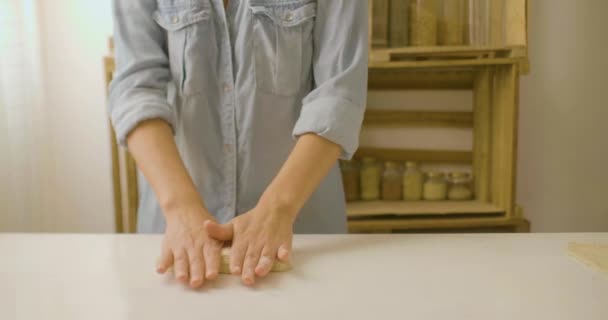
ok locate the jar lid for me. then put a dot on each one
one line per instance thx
(435, 174)
(391, 164)
(410, 164)
(368, 159)
(460, 175)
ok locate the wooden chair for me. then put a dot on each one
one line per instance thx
(124, 171)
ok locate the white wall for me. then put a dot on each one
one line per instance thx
(563, 177)
(75, 34)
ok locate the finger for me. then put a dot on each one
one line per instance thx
(251, 261)
(165, 261)
(220, 232)
(212, 260)
(181, 266)
(237, 255)
(284, 251)
(266, 260)
(197, 267)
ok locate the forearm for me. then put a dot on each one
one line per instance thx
(154, 150)
(307, 165)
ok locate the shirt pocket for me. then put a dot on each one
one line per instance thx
(184, 21)
(282, 43)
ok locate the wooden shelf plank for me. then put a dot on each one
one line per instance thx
(428, 156)
(426, 64)
(435, 223)
(393, 118)
(389, 54)
(417, 208)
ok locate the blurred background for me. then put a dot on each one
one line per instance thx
(56, 164)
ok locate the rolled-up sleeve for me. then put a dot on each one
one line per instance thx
(139, 89)
(335, 108)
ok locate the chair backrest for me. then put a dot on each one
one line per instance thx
(124, 171)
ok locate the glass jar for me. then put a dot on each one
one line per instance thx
(412, 182)
(423, 22)
(435, 187)
(450, 30)
(350, 179)
(391, 182)
(460, 186)
(370, 179)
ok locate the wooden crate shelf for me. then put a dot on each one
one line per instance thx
(492, 74)
(395, 118)
(367, 209)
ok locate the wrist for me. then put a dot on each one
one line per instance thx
(177, 205)
(280, 203)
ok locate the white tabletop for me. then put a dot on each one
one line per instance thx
(525, 276)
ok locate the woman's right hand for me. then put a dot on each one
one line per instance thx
(188, 248)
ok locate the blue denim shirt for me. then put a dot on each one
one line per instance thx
(238, 85)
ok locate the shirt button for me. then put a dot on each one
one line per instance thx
(228, 148)
(227, 87)
(175, 19)
(288, 17)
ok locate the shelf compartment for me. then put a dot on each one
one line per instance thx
(392, 118)
(360, 209)
(417, 79)
(427, 156)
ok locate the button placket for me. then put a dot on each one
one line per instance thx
(228, 110)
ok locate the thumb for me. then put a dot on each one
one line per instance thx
(220, 232)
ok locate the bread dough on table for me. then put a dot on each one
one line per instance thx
(593, 255)
(277, 266)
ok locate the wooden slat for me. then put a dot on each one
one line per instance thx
(132, 192)
(408, 208)
(425, 64)
(515, 14)
(432, 223)
(481, 134)
(392, 118)
(411, 79)
(109, 68)
(433, 156)
(503, 132)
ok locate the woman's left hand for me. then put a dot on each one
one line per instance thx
(258, 238)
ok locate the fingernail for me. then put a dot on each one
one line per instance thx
(283, 253)
(248, 281)
(235, 269)
(211, 275)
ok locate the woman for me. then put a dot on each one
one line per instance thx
(236, 114)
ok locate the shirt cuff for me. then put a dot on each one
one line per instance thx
(132, 113)
(335, 119)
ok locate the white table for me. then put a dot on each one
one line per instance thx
(523, 276)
